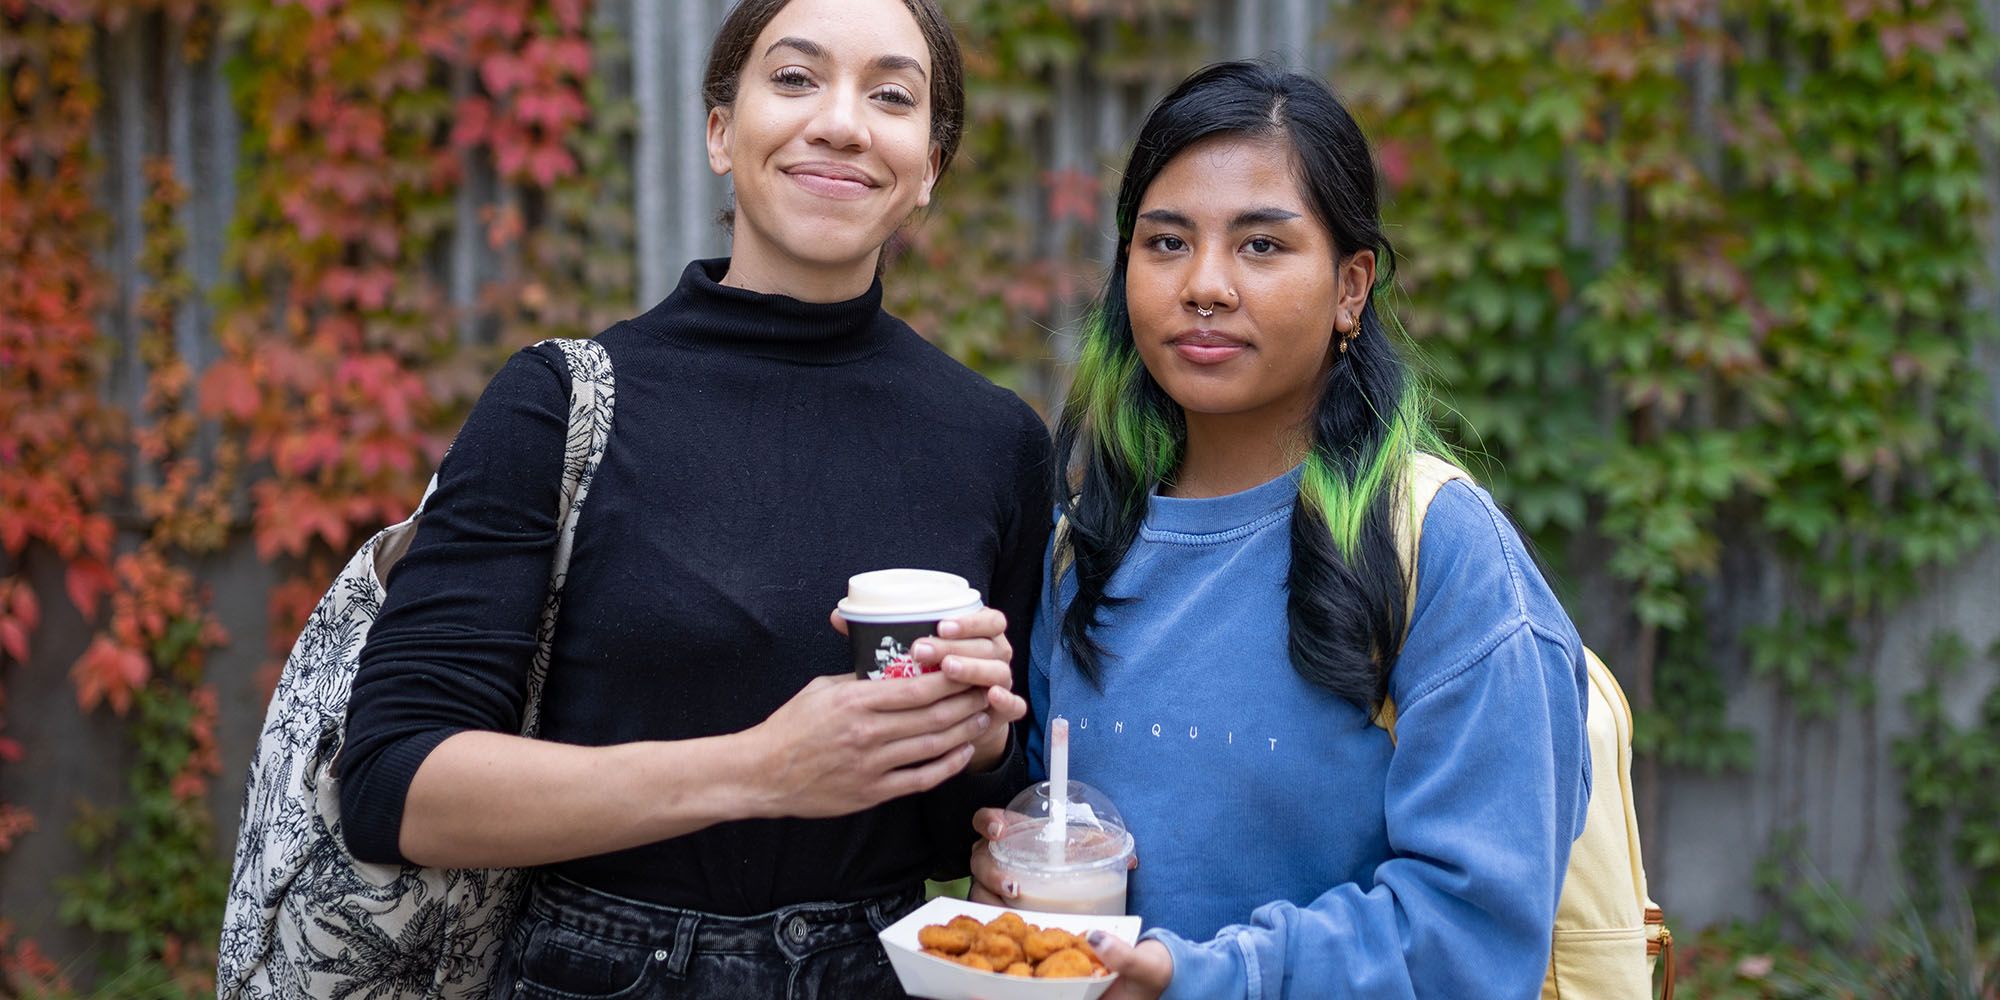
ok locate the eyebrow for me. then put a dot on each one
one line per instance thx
(1251, 217)
(814, 50)
(807, 46)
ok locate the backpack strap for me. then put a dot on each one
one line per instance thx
(591, 397)
(1428, 474)
(1062, 557)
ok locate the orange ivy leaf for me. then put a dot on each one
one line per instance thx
(229, 389)
(288, 518)
(108, 672)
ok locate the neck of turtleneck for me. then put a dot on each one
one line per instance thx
(704, 313)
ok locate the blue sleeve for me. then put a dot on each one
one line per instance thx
(1480, 815)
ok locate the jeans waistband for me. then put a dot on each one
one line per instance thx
(791, 931)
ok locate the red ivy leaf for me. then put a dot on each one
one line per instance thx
(88, 580)
(572, 55)
(473, 120)
(27, 607)
(15, 821)
(1072, 195)
(503, 72)
(13, 532)
(14, 639)
(550, 163)
(228, 389)
(569, 13)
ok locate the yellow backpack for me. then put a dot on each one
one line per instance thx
(1609, 933)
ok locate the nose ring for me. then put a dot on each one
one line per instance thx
(1204, 313)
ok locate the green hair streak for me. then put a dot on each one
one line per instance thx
(1121, 425)
(1341, 497)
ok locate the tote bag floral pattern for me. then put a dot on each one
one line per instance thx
(304, 919)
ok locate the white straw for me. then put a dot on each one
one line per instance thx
(1058, 829)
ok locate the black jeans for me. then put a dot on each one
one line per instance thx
(575, 943)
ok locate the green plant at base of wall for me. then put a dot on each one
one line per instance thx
(160, 888)
(1951, 788)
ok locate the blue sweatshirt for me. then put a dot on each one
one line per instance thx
(1287, 848)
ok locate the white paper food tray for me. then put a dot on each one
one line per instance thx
(929, 976)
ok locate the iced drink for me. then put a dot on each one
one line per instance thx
(1089, 879)
(1067, 850)
(888, 610)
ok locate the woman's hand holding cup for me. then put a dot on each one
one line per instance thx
(843, 744)
(905, 624)
(974, 651)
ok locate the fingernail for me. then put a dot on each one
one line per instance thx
(1096, 939)
(1011, 888)
(984, 721)
(993, 830)
(923, 648)
(948, 628)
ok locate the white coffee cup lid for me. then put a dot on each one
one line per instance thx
(905, 593)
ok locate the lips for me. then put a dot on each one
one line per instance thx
(1207, 347)
(831, 180)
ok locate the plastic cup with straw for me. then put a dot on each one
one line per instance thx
(1065, 844)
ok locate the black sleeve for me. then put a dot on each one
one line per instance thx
(451, 649)
(1015, 589)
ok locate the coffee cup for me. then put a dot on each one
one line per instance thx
(888, 610)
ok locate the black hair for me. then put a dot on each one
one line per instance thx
(1121, 435)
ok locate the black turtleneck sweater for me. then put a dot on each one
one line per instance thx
(762, 450)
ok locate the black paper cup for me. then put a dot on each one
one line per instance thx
(887, 611)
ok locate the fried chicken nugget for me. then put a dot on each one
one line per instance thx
(950, 940)
(1022, 969)
(998, 948)
(1042, 944)
(1067, 963)
(974, 960)
(1010, 924)
(967, 924)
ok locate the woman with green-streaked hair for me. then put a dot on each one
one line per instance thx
(1227, 615)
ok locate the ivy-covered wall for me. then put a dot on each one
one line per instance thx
(1709, 290)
